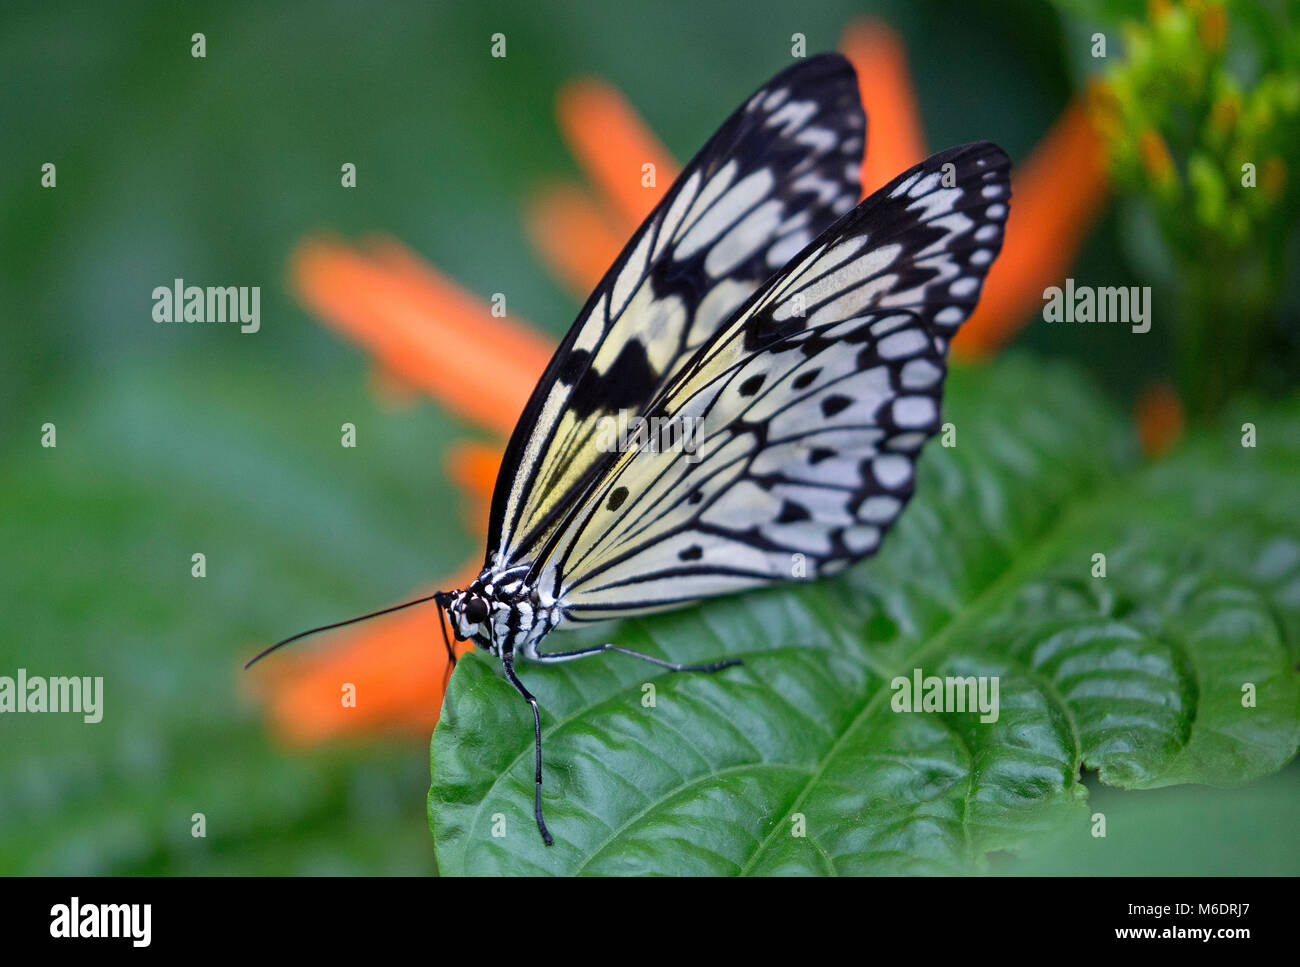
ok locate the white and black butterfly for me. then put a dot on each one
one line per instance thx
(804, 336)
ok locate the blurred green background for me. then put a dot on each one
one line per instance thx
(177, 439)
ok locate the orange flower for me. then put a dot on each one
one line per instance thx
(1159, 419)
(423, 327)
(1157, 161)
(428, 333)
(895, 141)
(396, 665)
(580, 235)
(1055, 197)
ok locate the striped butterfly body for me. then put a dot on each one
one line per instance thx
(797, 339)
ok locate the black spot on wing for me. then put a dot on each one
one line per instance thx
(573, 366)
(628, 383)
(792, 513)
(813, 345)
(616, 498)
(835, 404)
(761, 330)
(915, 276)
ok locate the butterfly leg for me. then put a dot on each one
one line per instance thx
(559, 656)
(509, 663)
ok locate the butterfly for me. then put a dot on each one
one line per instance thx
(798, 341)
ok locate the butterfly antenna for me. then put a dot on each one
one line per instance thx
(339, 624)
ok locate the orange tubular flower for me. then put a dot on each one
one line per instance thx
(578, 235)
(1055, 197)
(894, 138)
(396, 663)
(423, 327)
(614, 146)
(428, 333)
(1159, 419)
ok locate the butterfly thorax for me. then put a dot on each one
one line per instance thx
(502, 613)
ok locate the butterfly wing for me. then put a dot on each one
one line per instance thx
(780, 170)
(812, 404)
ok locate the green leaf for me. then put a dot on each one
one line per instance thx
(1138, 674)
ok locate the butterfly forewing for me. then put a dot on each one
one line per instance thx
(775, 175)
(812, 404)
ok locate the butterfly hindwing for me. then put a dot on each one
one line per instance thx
(812, 405)
(773, 177)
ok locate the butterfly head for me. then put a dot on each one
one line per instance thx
(468, 611)
(499, 610)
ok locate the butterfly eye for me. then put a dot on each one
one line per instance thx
(476, 610)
